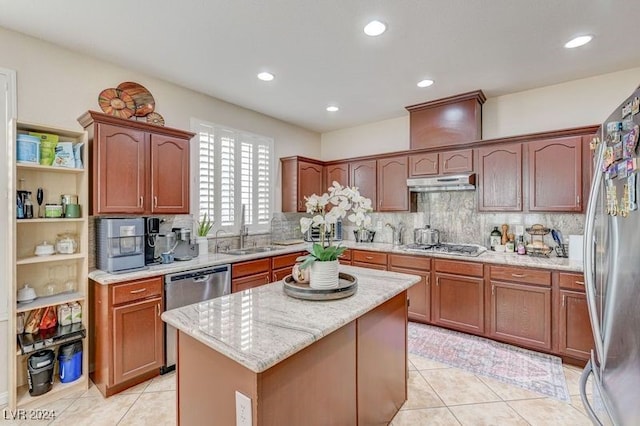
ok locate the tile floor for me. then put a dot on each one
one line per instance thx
(437, 395)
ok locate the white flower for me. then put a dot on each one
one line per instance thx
(305, 224)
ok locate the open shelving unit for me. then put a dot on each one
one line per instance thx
(41, 271)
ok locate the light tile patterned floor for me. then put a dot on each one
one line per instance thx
(438, 395)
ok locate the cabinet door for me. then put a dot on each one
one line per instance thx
(362, 174)
(338, 173)
(521, 314)
(423, 164)
(555, 174)
(418, 294)
(138, 339)
(458, 302)
(309, 182)
(456, 161)
(500, 170)
(169, 175)
(251, 281)
(118, 177)
(393, 193)
(574, 328)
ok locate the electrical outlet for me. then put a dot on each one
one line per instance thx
(243, 410)
(379, 225)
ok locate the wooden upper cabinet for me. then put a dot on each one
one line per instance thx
(500, 170)
(136, 167)
(169, 174)
(393, 193)
(118, 170)
(449, 121)
(425, 164)
(363, 175)
(456, 161)
(338, 173)
(555, 174)
(300, 177)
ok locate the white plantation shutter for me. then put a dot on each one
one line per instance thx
(235, 168)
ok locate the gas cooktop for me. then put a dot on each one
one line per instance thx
(471, 250)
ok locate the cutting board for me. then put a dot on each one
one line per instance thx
(287, 242)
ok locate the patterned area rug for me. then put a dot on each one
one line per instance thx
(529, 370)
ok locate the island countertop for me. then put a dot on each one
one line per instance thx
(262, 326)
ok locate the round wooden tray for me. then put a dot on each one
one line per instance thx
(347, 286)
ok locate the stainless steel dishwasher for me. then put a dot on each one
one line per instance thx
(186, 288)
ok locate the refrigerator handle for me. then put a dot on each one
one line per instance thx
(589, 250)
(588, 369)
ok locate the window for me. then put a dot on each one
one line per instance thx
(234, 169)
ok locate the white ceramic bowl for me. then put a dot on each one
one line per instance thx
(26, 294)
(44, 249)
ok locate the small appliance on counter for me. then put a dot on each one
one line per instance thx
(186, 249)
(120, 244)
(151, 231)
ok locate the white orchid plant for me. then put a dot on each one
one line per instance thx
(345, 202)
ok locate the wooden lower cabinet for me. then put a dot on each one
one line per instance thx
(521, 314)
(572, 322)
(127, 345)
(458, 302)
(419, 297)
(249, 274)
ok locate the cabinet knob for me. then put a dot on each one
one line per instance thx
(493, 289)
(142, 290)
(580, 282)
(155, 201)
(563, 300)
(141, 201)
(518, 275)
(158, 309)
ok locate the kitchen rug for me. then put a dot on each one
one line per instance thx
(533, 371)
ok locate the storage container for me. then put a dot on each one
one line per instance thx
(28, 149)
(40, 372)
(70, 361)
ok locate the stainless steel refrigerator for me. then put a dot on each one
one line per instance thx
(612, 271)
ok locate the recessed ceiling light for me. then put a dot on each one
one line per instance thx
(374, 28)
(578, 41)
(425, 83)
(332, 108)
(266, 76)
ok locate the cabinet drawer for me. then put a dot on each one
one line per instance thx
(520, 275)
(250, 267)
(420, 263)
(240, 284)
(285, 260)
(136, 290)
(346, 255)
(571, 281)
(369, 257)
(458, 268)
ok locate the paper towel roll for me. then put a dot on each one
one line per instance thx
(575, 247)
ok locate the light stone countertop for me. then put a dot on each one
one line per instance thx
(262, 326)
(510, 259)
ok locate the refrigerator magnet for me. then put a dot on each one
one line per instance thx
(626, 110)
(635, 105)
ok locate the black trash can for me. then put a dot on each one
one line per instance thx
(40, 372)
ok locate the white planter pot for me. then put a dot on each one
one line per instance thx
(203, 246)
(324, 275)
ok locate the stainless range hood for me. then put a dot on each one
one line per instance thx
(463, 182)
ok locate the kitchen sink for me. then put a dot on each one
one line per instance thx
(252, 250)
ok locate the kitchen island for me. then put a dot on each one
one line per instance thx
(299, 362)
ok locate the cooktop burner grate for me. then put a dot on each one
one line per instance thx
(454, 249)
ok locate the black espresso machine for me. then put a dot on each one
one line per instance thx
(151, 231)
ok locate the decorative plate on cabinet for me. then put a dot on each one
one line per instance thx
(116, 102)
(143, 99)
(155, 118)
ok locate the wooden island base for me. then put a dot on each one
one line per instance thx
(355, 375)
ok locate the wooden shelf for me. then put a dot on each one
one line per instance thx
(51, 258)
(41, 168)
(59, 390)
(56, 299)
(51, 220)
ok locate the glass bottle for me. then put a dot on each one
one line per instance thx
(28, 206)
(521, 248)
(495, 238)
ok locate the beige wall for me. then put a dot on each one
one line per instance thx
(573, 104)
(55, 86)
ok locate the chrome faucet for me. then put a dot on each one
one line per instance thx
(398, 233)
(244, 230)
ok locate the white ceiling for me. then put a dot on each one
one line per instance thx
(320, 56)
